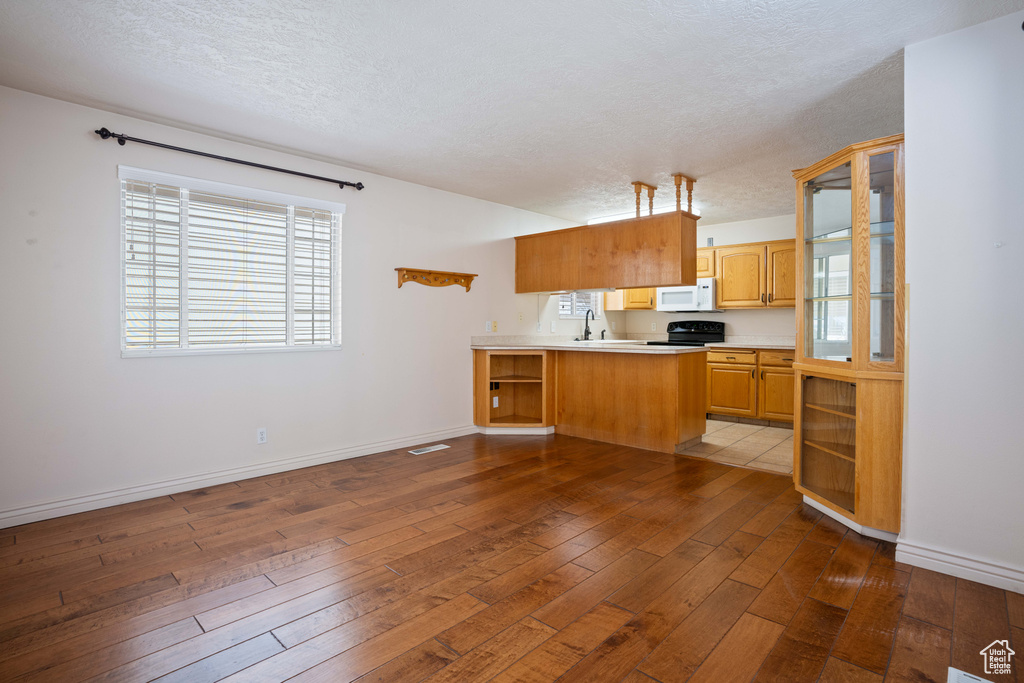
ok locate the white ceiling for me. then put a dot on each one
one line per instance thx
(549, 105)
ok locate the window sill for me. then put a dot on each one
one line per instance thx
(150, 353)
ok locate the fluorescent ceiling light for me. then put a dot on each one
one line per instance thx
(632, 214)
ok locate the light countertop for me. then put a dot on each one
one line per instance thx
(737, 345)
(610, 346)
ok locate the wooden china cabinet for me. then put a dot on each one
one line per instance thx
(850, 350)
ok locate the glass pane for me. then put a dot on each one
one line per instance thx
(883, 256)
(828, 204)
(829, 266)
(827, 329)
(882, 340)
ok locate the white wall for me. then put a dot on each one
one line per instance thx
(963, 507)
(774, 322)
(78, 423)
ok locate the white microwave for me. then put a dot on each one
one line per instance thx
(699, 297)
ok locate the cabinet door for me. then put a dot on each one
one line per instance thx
(548, 262)
(732, 389)
(775, 394)
(641, 298)
(782, 275)
(705, 263)
(741, 276)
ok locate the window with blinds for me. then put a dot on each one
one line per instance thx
(576, 304)
(212, 267)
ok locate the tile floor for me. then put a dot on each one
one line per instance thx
(735, 443)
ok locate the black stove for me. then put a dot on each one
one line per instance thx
(692, 333)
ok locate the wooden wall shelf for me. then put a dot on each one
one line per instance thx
(434, 278)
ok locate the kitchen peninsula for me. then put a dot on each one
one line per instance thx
(613, 391)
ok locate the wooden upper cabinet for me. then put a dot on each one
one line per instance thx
(781, 273)
(638, 299)
(756, 275)
(705, 262)
(548, 262)
(650, 251)
(741, 276)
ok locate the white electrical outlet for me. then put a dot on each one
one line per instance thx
(261, 435)
(520, 317)
(552, 326)
(539, 328)
(494, 402)
(654, 327)
(487, 326)
(613, 327)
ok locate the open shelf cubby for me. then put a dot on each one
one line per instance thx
(517, 368)
(517, 382)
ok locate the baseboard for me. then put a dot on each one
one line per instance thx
(962, 566)
(58, 508)
(859, 528)
(520, 431)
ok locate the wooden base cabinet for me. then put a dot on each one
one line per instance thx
(748, 383)
(847, 428)
(732, 383)
(513, 388)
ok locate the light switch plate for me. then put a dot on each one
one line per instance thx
(487, 326)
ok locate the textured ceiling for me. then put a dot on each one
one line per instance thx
(548, 105)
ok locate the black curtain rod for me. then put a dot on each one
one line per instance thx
(122, 138)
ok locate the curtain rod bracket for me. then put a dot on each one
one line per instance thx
(121, 138)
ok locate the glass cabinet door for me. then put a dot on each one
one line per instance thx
(882, 268)
(828, 265)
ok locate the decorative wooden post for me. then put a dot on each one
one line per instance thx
(650, 199)
(638, 186)
(689, 191)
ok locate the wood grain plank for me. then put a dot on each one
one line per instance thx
(496, 654)
(921, 653)
(838, 671)
(839, 583)
(371, 652)
(752, 636)
(870, 629)
(781, 598)
(567, 607)
(679, 654)
(226, 662)
(414, 665)
(561, 651)
(930, 598)
(803, 649)
(628, 646)
(658, 576)
(980, 617)
(758, 569)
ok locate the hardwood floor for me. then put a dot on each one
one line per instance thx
(501, 558)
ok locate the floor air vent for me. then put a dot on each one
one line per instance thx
(430, 449)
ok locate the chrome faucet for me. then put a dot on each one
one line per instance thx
(586, 324)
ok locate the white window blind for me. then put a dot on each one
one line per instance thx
(576, 304)
(205, 270)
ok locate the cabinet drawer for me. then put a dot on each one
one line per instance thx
(740, 357)
(780, 358)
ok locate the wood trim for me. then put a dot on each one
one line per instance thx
(834, 159)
